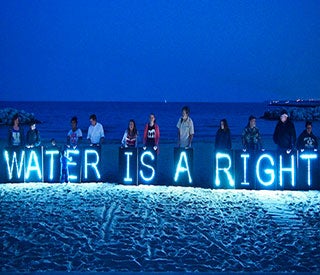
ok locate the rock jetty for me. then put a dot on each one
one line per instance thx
(295, 113)
(7, 114)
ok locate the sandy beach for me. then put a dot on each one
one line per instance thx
(111, 227)
(107, 227)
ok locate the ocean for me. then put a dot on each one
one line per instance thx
(114, 116)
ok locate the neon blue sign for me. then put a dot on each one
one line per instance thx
(19, 167)
(222, 158)
(290, 169)
(183, 165)
(94, 164)
(152, 172)
(33, 165)
(227, 169)
(267, 171)
(309, 157)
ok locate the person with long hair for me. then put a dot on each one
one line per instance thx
(151, 134)
(130, 136)
(15, 132)
(223, 136)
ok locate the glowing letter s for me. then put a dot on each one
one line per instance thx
(148, 166)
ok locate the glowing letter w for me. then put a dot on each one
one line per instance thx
(14, 161)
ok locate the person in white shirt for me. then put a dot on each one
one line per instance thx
(185, 129)
(95, 132)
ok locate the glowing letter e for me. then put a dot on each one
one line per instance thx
(220, 156)
(181, 169)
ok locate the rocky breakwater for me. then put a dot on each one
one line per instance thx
(295, 113)
(7, 114)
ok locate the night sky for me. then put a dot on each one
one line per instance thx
(159, 50)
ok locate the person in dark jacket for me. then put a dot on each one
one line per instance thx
(15, 133)
(285, 133)
(307, 140)
(33, 136)
(251, 137)
(223, 136)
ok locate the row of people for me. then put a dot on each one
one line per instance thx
(284, 134)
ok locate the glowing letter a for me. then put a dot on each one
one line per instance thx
(182, 169)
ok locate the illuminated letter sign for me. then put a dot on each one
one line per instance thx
(183, 159)
(14, 165)
(147, 166)
(74, 163)
(223, 163)
(128, 165)
(33, 165)
(91, 165)
(52, 165)
(267, 180)
(245, 158)
(308, 172)
(290, 171)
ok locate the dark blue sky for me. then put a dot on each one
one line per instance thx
(156, 50)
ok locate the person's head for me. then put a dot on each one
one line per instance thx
(32, 125)
(224, 124)
(152, 119)
(185, 112)
(93, 119)
(15, 120)
(132, 126)
(53, 142)
(252, 121)
(284, 116)
(309, 127)
(74, 123)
